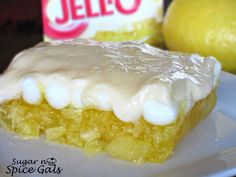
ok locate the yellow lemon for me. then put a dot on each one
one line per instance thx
(207, 27)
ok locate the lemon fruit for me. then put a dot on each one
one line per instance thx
(207, 27)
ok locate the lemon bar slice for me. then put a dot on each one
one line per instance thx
(131, 100)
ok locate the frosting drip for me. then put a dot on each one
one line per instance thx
(131, 79)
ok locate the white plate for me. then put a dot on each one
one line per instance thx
(209, 150)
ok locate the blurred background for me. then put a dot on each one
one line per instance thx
(205, 27)
(20, 27)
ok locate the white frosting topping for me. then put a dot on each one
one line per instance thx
(133, 80)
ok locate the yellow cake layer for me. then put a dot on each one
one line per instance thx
(96, 131)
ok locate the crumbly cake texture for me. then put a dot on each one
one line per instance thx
(128, 99)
